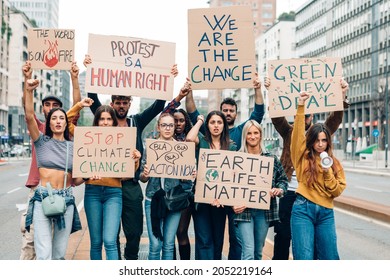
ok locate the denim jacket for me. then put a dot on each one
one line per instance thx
(41, 193)
(154, 183)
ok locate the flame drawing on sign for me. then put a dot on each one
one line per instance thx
(51, 54)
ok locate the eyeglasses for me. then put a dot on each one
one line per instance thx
(167, 126)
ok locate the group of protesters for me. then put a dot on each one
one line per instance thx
(301, 196)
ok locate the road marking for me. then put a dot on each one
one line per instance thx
(368, 189)
(362, 217)
(13, 190)
(21, 207)
(23, 174)
(81, 205)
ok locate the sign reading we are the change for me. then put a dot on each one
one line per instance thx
(221, 47)
(130, 66)
(320, 77)
(170, 159)
(234, 178)
(51, 48)
(104, 151)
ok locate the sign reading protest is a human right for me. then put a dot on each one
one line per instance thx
(51, 48)
(320, 77)
(104, 151)
(170, 159)
(221, 47)
(234, 178)
(130, 66)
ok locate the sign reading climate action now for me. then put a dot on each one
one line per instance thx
(170, 159)
(234, 178)
(104, 151)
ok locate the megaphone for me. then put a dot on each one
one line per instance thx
(326, 160)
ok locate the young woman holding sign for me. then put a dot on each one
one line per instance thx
(161, 235)
(252, 224)
(103, 200)
(54, 152)
(210, 219)
(312, 219)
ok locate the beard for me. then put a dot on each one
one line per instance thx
(230, 121)
(307, 126)
(121, 116)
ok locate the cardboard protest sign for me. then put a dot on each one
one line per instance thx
(104, 151)
(170, 159)
(221, 47)
(318, 76)
(51, 48)
(234, 178)
(130, 66)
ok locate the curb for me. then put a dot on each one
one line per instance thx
(375, 211)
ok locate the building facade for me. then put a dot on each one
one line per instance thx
(358, 32)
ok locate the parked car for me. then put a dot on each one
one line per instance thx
(18, 150)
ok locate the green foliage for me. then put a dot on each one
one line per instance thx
(287, 16)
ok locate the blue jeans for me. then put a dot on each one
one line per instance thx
(51, 244)
(209, 226)
(169, 227)
(103, 208)
(251, 235)
(313, 230)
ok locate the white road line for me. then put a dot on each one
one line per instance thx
(23, 175)
(81, 205)
(13, 190)
(368, 189)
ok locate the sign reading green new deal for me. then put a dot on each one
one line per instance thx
(104, 151)
(320, 77)
(234, 178)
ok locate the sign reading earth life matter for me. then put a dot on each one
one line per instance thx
(234, 178)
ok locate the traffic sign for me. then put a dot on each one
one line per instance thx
(375, 133)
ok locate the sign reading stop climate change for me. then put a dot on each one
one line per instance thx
(170, 159)
(104, 151)
(234, 178)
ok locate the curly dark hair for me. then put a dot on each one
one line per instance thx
(48, 130)
(188, 125)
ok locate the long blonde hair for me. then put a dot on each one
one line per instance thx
(245, 130)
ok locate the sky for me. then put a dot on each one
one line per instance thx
(161, 20)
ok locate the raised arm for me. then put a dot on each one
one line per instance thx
(30, 85)
(298, 138)
(192, 135)
(175, 103)
(27, 73)
(74, 74)
(335, 118)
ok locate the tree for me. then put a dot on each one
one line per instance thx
(287, 16)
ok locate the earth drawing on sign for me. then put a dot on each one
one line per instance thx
(212, 175)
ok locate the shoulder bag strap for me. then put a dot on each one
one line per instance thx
(66, 165)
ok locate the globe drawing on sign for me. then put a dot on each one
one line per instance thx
(212, 175)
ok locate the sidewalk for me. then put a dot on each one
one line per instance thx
(79, 244)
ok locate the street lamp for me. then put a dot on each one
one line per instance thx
(386, 101)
